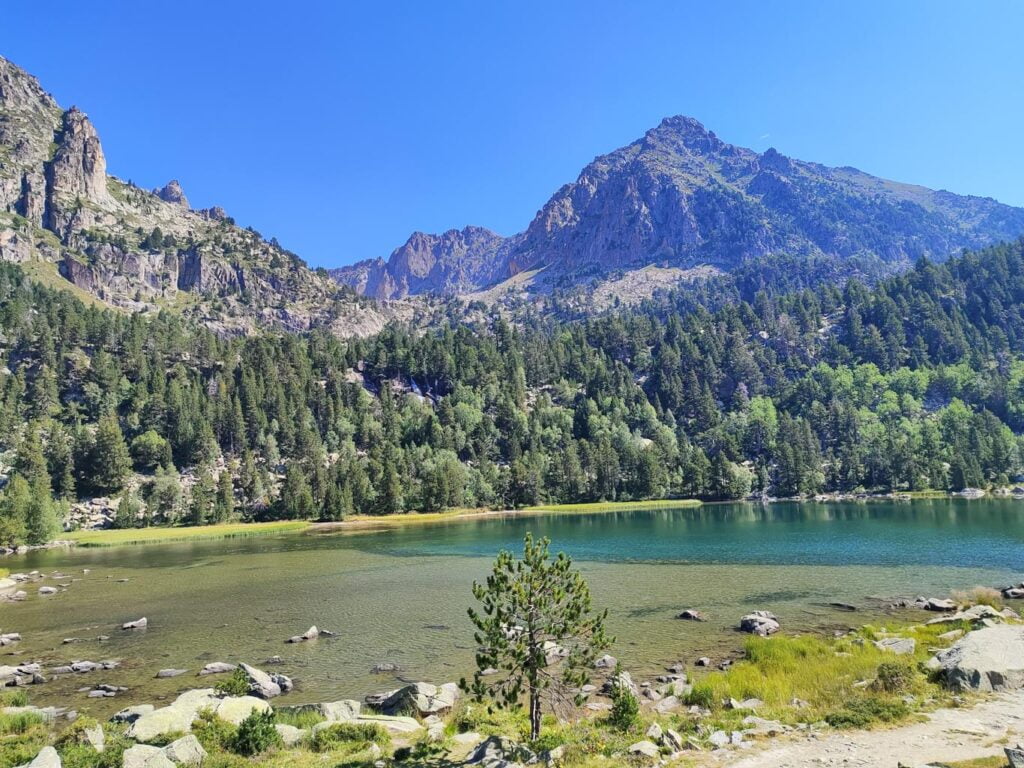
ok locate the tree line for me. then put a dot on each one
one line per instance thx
(916, 382)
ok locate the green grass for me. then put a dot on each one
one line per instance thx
(616, 506)
(123, 536)
(823, 672)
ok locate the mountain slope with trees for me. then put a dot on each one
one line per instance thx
(915, 383)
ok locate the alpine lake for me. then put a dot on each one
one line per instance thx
(399, 594)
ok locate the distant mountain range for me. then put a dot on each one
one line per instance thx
(677, 205)
(681, 198)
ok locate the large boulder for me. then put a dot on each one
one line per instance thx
(418, 698)
(898, 645)
(339, 711)
(161, 722)
(145, 756)
(760, 623)
(186, 751)
(235, 709)
(264, 685)
(989, 659)
(47, 758)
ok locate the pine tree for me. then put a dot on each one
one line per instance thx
(109, 462)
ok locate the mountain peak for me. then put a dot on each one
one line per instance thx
(680, 132)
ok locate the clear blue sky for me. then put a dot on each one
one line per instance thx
(341, 127)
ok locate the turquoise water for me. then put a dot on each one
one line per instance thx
(400, 595)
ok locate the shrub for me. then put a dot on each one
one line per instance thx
(356, 735)
(701, 695)
(235, 685)
(256, 734)
(625, 712)
(894, 677)
(979, 596)
(213, 733)
(861, 713)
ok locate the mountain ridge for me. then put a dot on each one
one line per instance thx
(681, 197)
(62, 214)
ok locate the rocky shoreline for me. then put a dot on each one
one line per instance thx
(988, 656)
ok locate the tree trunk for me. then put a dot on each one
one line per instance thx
(534, 714)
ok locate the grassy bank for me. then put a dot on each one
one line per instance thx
(616, 506)
(122, 536)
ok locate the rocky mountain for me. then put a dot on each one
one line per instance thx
(70, 223)
(455, 262)
(683, 199)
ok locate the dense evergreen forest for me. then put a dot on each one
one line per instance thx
(915, 383)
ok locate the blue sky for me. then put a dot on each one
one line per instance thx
(341, 127)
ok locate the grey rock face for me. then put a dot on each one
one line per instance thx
(680, 196)
(760, 623)
(988, 659)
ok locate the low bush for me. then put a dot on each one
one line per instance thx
(214, 733)
(979, 596)
(895, 676)
(860, 713)
(235, 685)
(256, 734)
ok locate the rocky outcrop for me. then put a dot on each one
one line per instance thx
(138, 249)
(988, 659)
(172, 193)
(452, 263)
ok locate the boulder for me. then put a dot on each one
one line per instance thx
(645, 748)
(1015, 756)
(395, 724)
(654, 733)
(420, 698)
(691, 615)
(384, 667)
(623, 679)
(499, 752)
(935, 604)
(186, 751)
(266, 686)
(217, 668)
(160, 722)
(606, 662)
(339, 711)
(703, 661)
(673, 740)
(137, 624)
(667, 704)
(235, 709)
(760, 623)
(95, 737)
(898, 645)
(989, 659)
(310, 634)
(47, 591)
(1013, 593)
(131, 714)
(171, 672)
(145, 756)
(975, 613)
(290, 735)
(719, 739)
(47, 758)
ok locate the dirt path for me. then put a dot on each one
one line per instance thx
(949, 735)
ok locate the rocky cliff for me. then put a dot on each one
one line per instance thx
(680, 197)
(61, 213)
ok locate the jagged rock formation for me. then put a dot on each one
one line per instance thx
(454, 262)
(681, 197)
(172, 192)
(140, 250)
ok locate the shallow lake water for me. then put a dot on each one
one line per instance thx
(400, 595)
